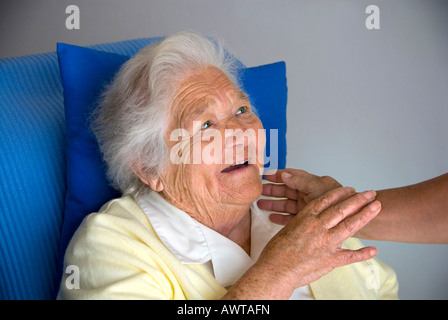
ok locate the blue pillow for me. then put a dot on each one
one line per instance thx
(84, 73)
(266, 87)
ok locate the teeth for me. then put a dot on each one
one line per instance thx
(238, 163)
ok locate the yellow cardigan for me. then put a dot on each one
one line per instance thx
(119, 256)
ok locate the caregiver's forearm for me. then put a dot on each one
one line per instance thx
(416, 213)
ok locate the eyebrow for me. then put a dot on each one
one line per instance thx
(198, 111)
(243, 95)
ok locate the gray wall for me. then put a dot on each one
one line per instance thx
(368, 107)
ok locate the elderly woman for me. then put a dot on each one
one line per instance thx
(190, 229)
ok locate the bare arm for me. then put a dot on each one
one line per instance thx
(416, 213)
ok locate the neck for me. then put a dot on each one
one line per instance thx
(231, 221)
(240, 234)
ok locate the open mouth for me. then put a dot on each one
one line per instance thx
(236, 166)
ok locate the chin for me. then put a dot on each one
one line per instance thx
(242, 185)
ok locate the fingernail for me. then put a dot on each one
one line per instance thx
(371, 194)
(375, 205)
(286, 175)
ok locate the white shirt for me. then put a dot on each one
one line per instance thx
(194, 243)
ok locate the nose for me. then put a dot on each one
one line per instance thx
(236, 134)
(235, 123)
(239, 143)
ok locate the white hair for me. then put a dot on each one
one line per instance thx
(132, 117)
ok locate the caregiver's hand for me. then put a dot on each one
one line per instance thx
(297, 188)
(309, 246)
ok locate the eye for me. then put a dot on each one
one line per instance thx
(242, 110)
(206, 124)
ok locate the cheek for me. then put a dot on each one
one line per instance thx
(182, 182)
(173, 177)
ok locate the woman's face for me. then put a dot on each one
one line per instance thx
(216, 145)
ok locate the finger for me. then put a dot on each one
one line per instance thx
(298, 180)
(286, 206)
(281, 219)
(277, 190)
(276, 176)
(329, 199)
(354, 223)
(335, 214)
(345, 256)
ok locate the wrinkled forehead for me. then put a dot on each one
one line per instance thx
(203, 90)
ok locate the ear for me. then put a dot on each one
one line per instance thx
(154, 182)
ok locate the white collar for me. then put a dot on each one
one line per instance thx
(194, 243)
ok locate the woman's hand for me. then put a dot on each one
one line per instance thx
(309, 246)
(297, 189)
